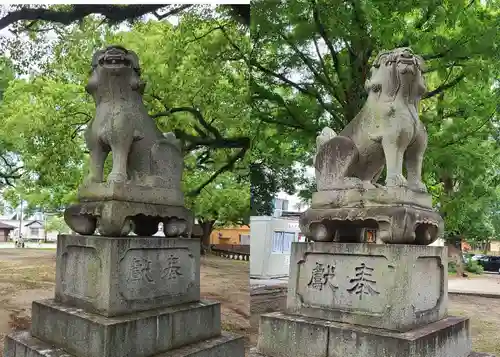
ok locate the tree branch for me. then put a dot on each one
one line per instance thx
(228, 166)
(444, 87)
(11, 171)
(171, 12)
(281, 77)
(277, 98)
(324, 35)
(113, 14)
(309, 63)
(197, 38)
(195, 112)
(323, 64)
(222, 143)
(468, 134)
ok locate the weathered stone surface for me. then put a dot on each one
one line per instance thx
(227, 345)
(284, 335)
(144, 186)
(398, 224)
(140, 334)
(253, 353)
(375, 196)
(22, 344)
(118, 218)
(114, 276)
(142, 154)
(130, 192)
(386, 132)
(395, 287)
(119, 297)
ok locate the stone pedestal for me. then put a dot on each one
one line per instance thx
(365, 300)
(449, 337)
(399, 214)
(395, 287)
(128, 296)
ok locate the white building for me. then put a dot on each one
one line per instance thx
(270, 245)
(287, 203)
(30, 227)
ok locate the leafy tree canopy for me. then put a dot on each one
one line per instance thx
(310, 60)
(196, 87)
(308, 63)
(56, 223)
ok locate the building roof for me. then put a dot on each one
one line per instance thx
(6, 226)
(34, 222)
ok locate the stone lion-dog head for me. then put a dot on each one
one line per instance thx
(397, 74)
(111, 67)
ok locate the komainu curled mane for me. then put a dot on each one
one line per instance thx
(387, 130)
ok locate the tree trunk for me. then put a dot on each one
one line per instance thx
(206, 227)
(486, 247)
(455, 255)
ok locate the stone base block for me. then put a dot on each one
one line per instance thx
(126, 191)
(372, 196)
(282, 335)
(394, 287)
(253, 353)
(140, 334)
(115, 218)
(227, 345)
(22, 344)
(114, 276)
(394, 224)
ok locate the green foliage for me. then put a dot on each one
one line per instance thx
(191, 65)
(6, 74)
(56, 224)
(473, 266)
(226, 202)
(452, 267)
(310, 60)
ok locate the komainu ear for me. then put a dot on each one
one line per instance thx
(135, 61)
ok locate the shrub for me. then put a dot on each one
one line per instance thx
(452, 267)
(474, 267)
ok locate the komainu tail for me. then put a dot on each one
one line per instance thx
(325, 135)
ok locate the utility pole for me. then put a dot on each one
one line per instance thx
(21, 220)
(44, 225)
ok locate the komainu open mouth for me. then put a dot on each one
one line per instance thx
(406, 60)
(115, 61)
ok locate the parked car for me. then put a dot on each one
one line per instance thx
(490, 263)
(467, 257)
(478, 257)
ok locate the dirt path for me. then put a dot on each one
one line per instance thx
(29, 274)
(484, 314)
(227, 281)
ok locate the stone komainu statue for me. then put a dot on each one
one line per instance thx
(141, 152)
(144, 186)
(386, 133)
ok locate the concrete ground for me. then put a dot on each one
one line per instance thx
(486, 284)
